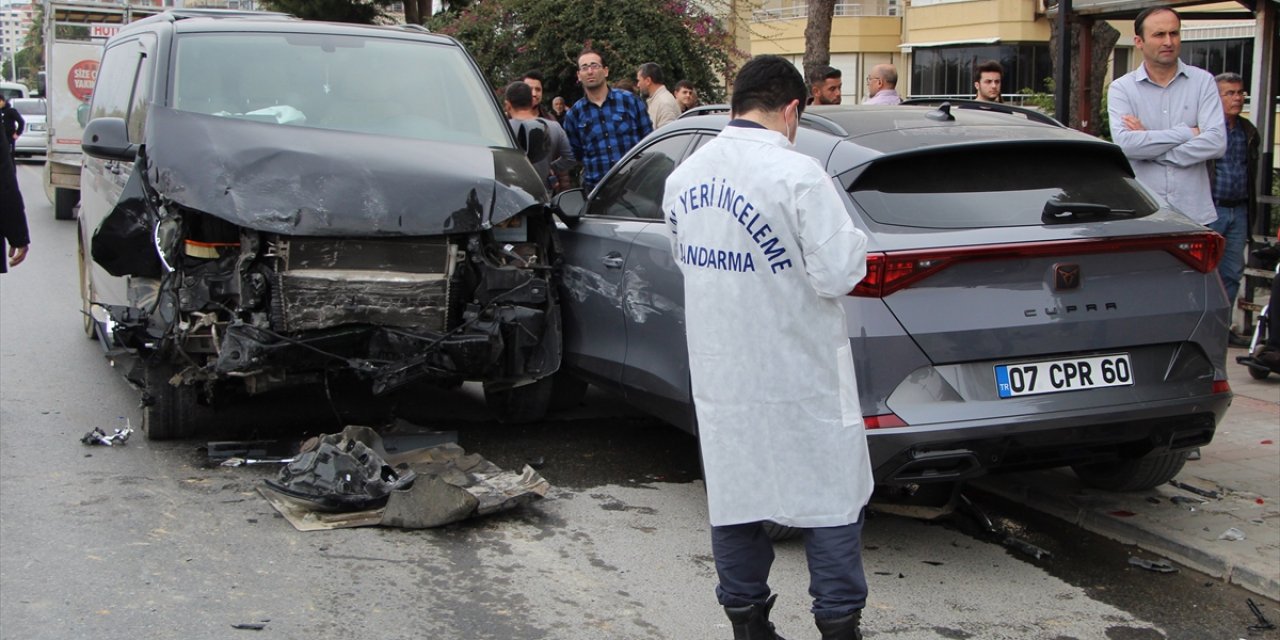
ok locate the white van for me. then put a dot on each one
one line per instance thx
(11, 90)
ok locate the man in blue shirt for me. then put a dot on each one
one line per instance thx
(605, 123)
(1233, 178)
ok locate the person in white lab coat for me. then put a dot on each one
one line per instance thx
(767, 250)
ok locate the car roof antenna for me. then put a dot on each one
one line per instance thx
(942, 113)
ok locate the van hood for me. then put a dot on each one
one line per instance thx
(319, 182)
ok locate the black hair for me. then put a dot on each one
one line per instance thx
(1142, 18)
(822, 74)
(533, 75)
(587, 50)
(990, 66)
(767, 83)
(685, 84)
(652, 71)
(519, 94)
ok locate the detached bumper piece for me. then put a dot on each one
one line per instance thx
(431, 487)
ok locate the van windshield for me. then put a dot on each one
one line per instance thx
(362, 84)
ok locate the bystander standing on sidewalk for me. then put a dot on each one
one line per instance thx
(1234, 182)
(13, 216)
(605, 123)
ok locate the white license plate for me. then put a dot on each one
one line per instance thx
(1069, 374)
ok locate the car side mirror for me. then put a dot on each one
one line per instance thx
(108, 139)
(568, 206)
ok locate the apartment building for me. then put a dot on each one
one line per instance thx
(15, 21)
(936, 44)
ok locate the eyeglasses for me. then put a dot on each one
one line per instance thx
(1233, 94)
(870, 78)
(590, 66)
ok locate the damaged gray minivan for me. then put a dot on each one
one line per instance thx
(270, 202)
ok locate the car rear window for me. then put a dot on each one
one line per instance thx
(998, 187)
(29, 107)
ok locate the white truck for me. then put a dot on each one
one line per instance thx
(74, 34)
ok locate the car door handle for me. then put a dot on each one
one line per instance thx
(613, 260)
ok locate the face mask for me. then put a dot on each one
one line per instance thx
(793, 128)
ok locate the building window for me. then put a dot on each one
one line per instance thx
(948, 71)
(1217, 56)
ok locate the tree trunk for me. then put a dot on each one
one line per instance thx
(817, 35)
(411, 14)
(1104, 40)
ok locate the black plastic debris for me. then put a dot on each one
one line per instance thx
(1158, 566)
(1263, 623)
(250, 626)
(1212, 495)
(1026, 547)
(339, 472)
(100, 437)
(1186, 500)
(220, 451)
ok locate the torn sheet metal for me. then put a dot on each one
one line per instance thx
(448, 485)
(100, 437)
(322, 182)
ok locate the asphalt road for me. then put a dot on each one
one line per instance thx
(148, 541)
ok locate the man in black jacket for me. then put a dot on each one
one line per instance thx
(13, 216)
(13, 123)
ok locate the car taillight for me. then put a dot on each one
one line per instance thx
(1221, 386)
(890, 271)
(883, 421)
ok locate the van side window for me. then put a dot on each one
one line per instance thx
(123, 85)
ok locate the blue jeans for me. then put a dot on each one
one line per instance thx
(744, 554)
(1232, 224)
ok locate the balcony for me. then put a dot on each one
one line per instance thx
(843, 9)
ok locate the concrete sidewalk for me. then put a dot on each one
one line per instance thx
(1240, 469)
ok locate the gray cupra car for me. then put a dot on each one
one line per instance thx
(1027, 305)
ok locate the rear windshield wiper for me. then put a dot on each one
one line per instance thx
(1059, 212)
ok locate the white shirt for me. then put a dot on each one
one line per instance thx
(1167, 157)
(767, 250)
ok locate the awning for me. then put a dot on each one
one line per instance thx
(906, 48)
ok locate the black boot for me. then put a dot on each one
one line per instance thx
(845, 628)
(752, 622)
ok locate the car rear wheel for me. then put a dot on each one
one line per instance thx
(86, 293)
(1132, 475)
(779, 532)
(64, 203)
(170, 412)
(521, 404)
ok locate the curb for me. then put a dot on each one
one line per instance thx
(1127, 532)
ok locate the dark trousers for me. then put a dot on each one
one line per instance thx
(744, 555)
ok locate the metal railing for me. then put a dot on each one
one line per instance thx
(843, 9)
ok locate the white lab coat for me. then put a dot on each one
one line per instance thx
(767, 250)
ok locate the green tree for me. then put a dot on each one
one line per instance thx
(358, 11)
(509, 37)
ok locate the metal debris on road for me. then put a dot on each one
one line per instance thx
(427, 487)
(100, 437)
(1026, 547)
(1186, 500)
(1212, 495)
(1158, 566)
(240, 462)
(1263, 623)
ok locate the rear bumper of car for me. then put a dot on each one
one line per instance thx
(961, 450)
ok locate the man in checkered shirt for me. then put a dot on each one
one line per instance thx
(605, 123)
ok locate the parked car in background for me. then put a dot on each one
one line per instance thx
(12, 90)
(263, 212)
(35, 137)
(1027, 304)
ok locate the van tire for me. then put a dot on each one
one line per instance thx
(169, 412)
(526, 403)
(64, 203)
(1132, 475)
